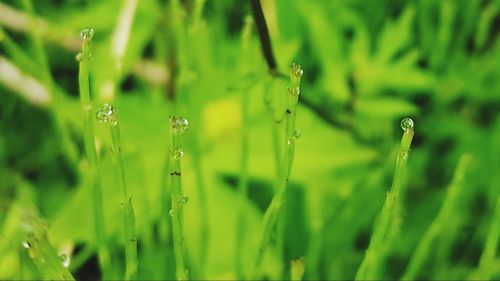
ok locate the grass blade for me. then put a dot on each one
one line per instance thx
(85, 57)
(178, 126)
(389, 218)
(107, 114)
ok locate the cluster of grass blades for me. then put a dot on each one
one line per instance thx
(194, 252)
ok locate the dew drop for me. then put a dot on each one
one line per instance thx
(65, 260)
(180, 124)
(404, 154)
(297, 133)
(184, 199)
(407, 124)
(87, 33)
(79, 57)
(171, 212)
(105, 114)
(26, 244)
(294, 91)
(297, 70)
(176, 153)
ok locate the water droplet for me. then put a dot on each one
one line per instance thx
(87, 33)
(177, 154)
(184, 199)
(26, 244)
(297, 70)
(65, 260)
(294, 91)
(79, 57)
(297, 133)
(171, 212)
(404, 154)
(407, 124)
(105, 114)
(179, 124)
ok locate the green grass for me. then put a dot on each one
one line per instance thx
(291, 135)
(388, 222)
(93, 179)
(107, 114)
(50, 265)
(179, 198)
(332, 205)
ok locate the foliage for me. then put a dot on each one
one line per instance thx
(367, 64)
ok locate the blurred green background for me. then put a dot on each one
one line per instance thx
(367, 64)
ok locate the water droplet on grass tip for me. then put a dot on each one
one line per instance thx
(65, 260)
(171, 212)
(184, 199)
(407, 124)
(180, 124)
(26, 244)
(87, 33)
(297, 133)
(105, 114)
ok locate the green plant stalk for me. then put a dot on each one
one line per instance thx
(242, 188)
(487, 260)
(42, 253)
(204, 211)
(389, 218)
(186, 52)
(126, 207)
(440, 223)
(177, 206)
(48, 80)
(272, 213)
(90, 149)
(243, 181)
(297, 269)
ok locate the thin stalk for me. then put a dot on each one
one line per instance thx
(243, 181)
(49, 264)
(48, 80)
(187, 48)
(440, 223)
(389, 218)
(178, 126)
(291, 134)
(204, 211)
(487, 261)
(297, 269)
(90, 149)
(263, 31)
(107, 114)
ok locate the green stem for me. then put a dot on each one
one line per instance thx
(297, 269)
(440, 223)
(487, 261)
(291, 134)
(41, 56)
(42, 253)
(178, 198)
(389, 218)
(243, 181)
(126, 207)
(90, 149)
(204, 211)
